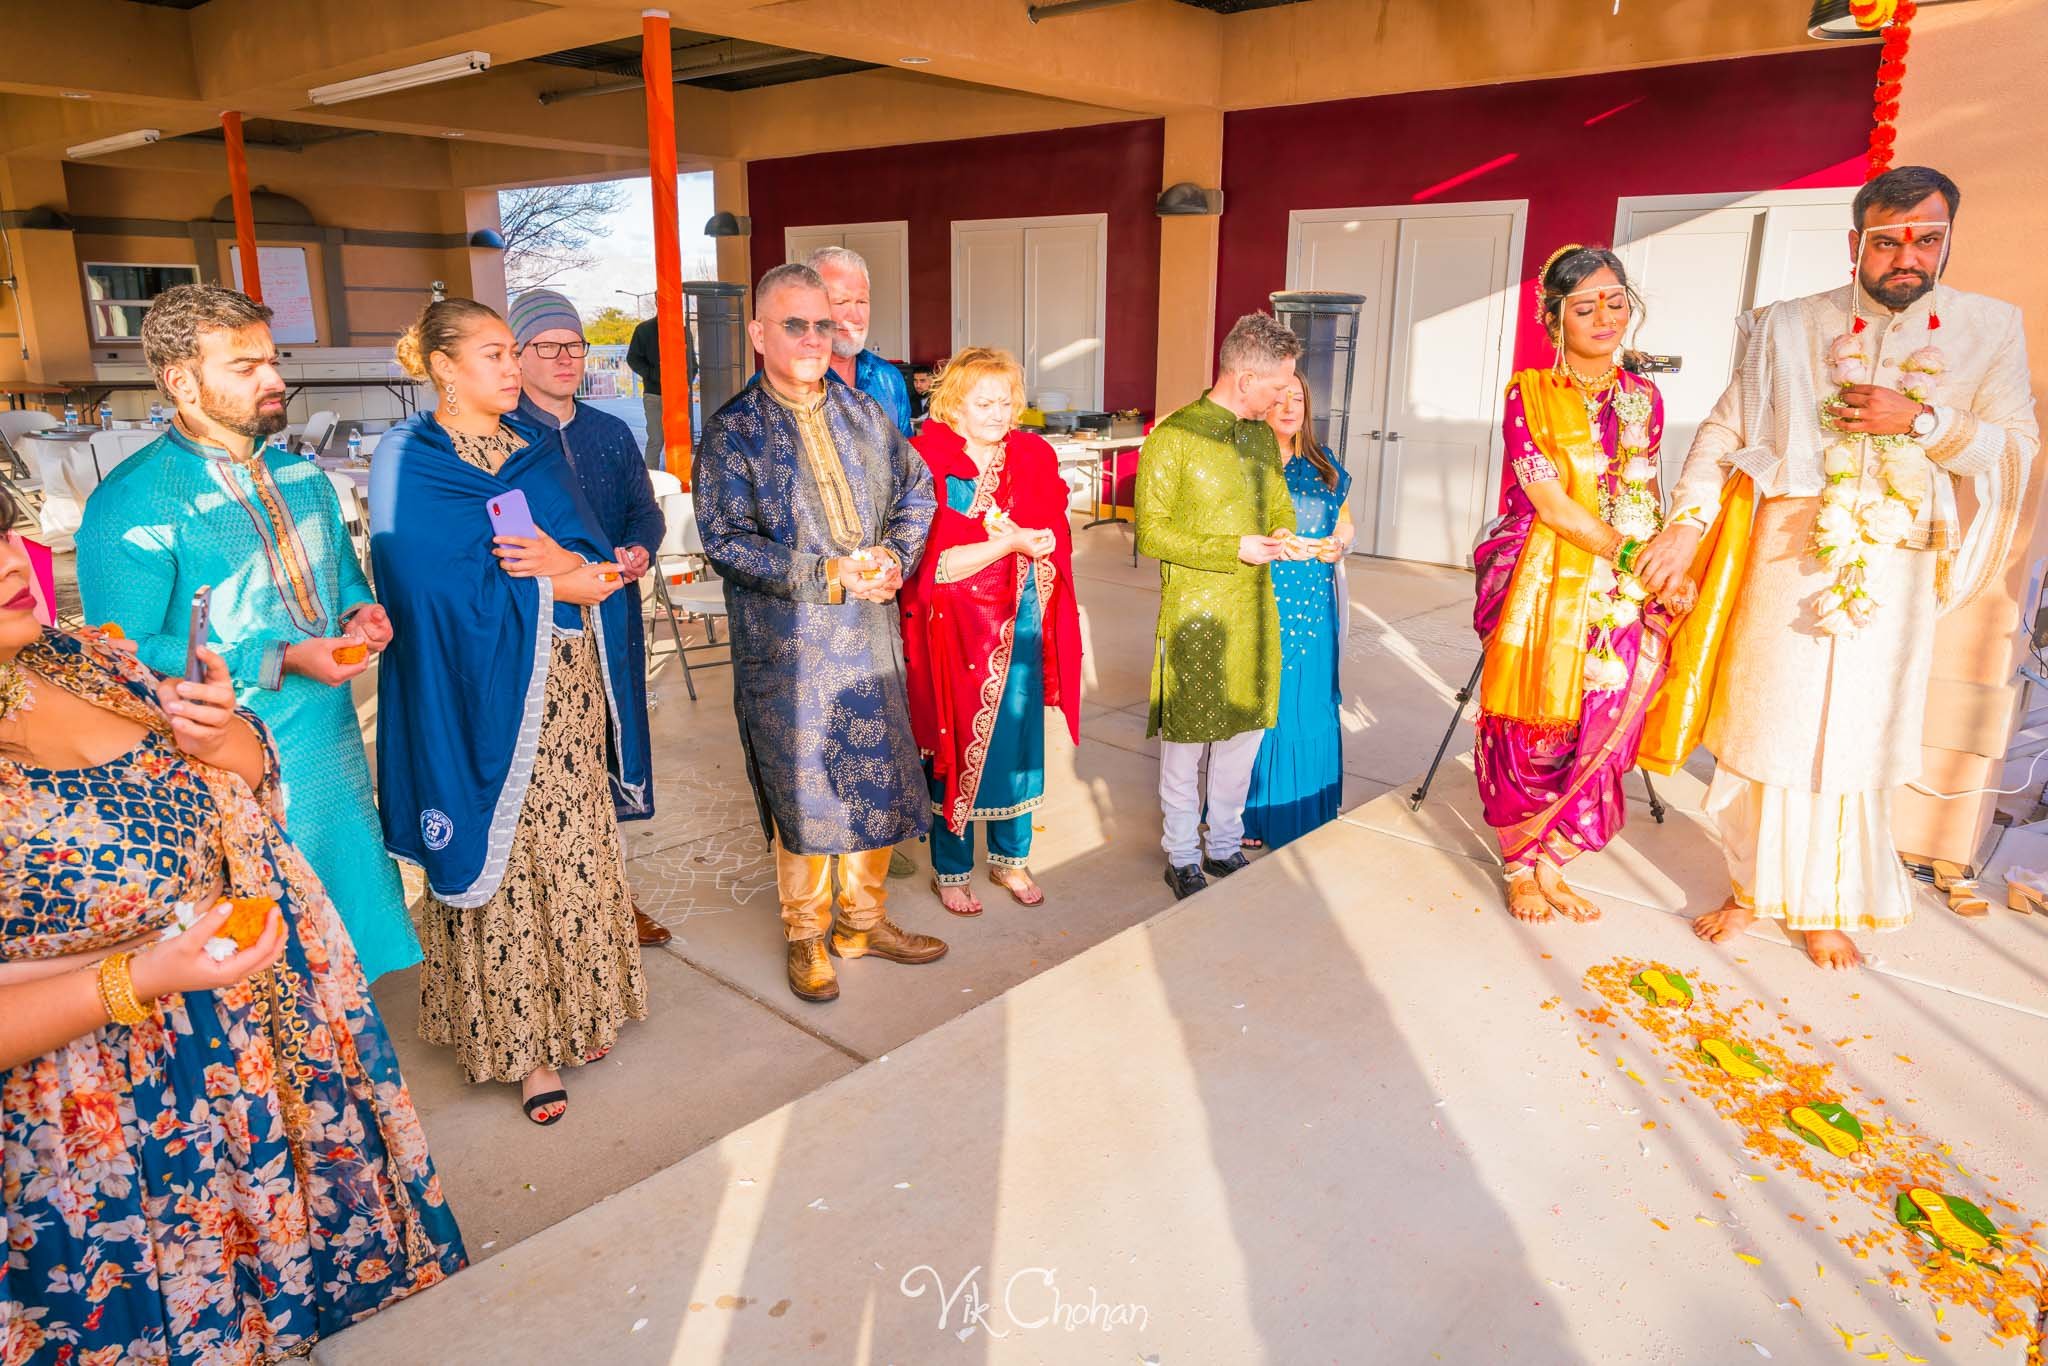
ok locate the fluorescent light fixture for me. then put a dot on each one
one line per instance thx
(120, 142)
(913, 61)
(75, 95)
(404, 78)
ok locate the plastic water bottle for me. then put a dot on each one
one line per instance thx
(71, 414)
(355, 448)
(106, 416)
(156, 416)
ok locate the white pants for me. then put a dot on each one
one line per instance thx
(1180, 795)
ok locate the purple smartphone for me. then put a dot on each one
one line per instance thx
(195, 635)
(510, 515)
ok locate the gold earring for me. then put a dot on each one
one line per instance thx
(454, 409)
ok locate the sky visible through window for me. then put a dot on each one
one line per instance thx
(623, 259)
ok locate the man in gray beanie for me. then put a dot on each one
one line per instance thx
(548, 331)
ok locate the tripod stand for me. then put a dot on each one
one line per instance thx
(1458, 714)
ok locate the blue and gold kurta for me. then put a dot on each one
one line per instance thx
(266, 534)
(783, 487)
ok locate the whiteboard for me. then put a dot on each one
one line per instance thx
(285, 289)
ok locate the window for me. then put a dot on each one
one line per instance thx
(118, 295)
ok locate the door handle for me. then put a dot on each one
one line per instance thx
(1373, 435)
(1393, 436)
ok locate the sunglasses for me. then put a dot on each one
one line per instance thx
(550, 350)
(795, 328)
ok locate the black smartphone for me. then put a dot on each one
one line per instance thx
(195, 636)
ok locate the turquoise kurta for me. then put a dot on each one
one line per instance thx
(178, 515)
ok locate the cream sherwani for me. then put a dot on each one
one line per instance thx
(1811, 732)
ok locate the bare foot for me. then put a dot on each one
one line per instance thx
(956, 898)
(1732, 919)
(1831, 949)
(1558, 893)
(539, 1082)
(1526, 901)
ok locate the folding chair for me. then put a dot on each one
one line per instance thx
(682, 554)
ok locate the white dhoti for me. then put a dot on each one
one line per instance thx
(1811, 732)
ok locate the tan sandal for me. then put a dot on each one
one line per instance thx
(1016, 895)
(938, 892)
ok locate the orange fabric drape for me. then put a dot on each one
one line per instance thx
(1678, 718)
(245, 213)
(1536, 656)
(656, 71)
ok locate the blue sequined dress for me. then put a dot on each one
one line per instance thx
(1298, 779)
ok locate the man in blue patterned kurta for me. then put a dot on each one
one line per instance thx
(212, 505)
(548, 331)
(812, 507)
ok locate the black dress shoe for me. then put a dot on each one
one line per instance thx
(1225, 867)
(1185, 880)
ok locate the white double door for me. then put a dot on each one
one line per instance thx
(886, 249)
(1423, 434)
(1035, 287)
(1700, 261)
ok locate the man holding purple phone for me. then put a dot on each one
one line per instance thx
(548, 331)
(212, 507)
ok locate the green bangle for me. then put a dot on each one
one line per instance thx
(1625, 558)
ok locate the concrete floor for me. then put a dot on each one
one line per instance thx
(721, 1014)
(1337, 1109)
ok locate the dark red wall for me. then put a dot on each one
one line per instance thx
(1113, 169)
(1570, 147)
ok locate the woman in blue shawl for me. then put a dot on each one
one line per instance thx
(500, 743)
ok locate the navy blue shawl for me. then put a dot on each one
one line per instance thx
(461, 688)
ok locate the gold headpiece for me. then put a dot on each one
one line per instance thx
(1556, 256)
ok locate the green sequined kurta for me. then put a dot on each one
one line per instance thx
(1206, 479)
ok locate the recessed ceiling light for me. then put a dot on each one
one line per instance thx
(76, 95)
(913, 61)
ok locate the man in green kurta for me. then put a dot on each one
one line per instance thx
(1212, 505)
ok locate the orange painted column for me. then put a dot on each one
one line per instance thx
(668, 247)
(245, 213)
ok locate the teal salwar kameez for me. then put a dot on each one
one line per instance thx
(266, 535)
(1013, 781)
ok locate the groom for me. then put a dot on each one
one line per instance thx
(1855, 415)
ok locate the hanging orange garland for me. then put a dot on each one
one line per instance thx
(1895, 17)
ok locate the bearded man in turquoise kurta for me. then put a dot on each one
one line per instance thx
(213, 505)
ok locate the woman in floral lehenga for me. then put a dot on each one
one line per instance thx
(1575, 648)
(202, 1159)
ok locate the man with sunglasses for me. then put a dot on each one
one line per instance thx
(548, 331)
(1831, 472)
(813, 508)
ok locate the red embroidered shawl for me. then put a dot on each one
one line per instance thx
(949, 626)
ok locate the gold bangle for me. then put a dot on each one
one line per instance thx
(117, 991)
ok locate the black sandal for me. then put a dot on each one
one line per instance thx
(541, 1102)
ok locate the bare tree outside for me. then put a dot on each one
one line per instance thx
(548, 229)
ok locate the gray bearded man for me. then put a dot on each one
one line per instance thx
(1854, 418)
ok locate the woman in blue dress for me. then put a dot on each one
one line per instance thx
(1298, 778)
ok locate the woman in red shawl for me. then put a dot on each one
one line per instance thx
(991, 633)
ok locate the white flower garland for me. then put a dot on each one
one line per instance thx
(1875, 486)
(1632, 510)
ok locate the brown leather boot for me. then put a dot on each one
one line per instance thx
(890, 941)
(652, 933)
(811, 975)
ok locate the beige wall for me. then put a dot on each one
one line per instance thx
(1971, 108)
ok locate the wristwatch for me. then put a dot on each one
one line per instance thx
(1924, 422)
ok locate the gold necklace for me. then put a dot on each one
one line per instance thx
(1597, 385)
